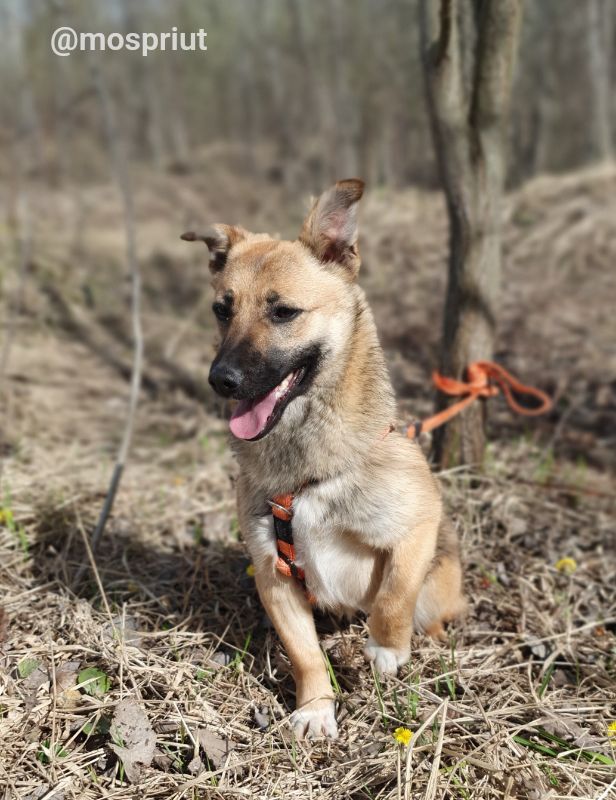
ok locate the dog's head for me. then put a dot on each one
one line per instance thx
(285, 309)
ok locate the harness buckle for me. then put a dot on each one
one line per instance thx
(288, 512)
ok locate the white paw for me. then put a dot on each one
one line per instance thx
(386, 660)
(315, 722)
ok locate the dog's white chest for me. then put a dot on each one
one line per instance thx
(339, 569)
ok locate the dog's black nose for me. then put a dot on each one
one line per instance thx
(225, 379)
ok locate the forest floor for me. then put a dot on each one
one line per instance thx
(155, 664)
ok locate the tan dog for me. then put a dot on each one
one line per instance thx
(300, 352)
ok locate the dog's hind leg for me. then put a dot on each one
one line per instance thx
(392, 612)
(440, 599)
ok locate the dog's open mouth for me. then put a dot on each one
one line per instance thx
(252, 419)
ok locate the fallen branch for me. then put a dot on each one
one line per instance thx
(84, 329)
(102, 335)
(177, 376)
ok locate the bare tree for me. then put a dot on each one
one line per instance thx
(469, 49)
(600, 52)
(24, 99)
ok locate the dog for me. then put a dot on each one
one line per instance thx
(337, 508)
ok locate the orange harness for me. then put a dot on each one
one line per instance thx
(282, 511)
(484, 380)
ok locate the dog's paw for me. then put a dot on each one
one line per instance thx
(386, 660)
(315, 721)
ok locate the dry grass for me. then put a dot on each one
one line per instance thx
(517, 706)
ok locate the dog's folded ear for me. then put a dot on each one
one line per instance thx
(330, 229)
(219, 240)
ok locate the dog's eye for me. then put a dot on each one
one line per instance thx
(222, 312)
(285, 314)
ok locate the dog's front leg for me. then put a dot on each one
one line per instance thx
(292, 617)
(391, 617)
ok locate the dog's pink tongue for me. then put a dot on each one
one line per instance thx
(250, 417)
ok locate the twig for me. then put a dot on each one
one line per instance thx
(565, 487)
(411, 748)
(95, 571)
(433, 780)
(120, 168)
(607, 790)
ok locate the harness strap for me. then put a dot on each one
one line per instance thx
(282, 512)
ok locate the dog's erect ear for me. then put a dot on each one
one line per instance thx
(330, 229)
(219, 240)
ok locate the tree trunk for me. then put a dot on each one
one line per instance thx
(343, 118)
(600, 46)
(469, 50)
(29, 132)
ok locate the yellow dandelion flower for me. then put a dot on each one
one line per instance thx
(567, 565)
(611, 729)
(250, 570)
(403, 736)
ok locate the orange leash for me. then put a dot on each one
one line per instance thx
(485, 379)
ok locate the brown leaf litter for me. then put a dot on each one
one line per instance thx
(134, 740)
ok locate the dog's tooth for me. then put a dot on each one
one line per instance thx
(284, 385)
